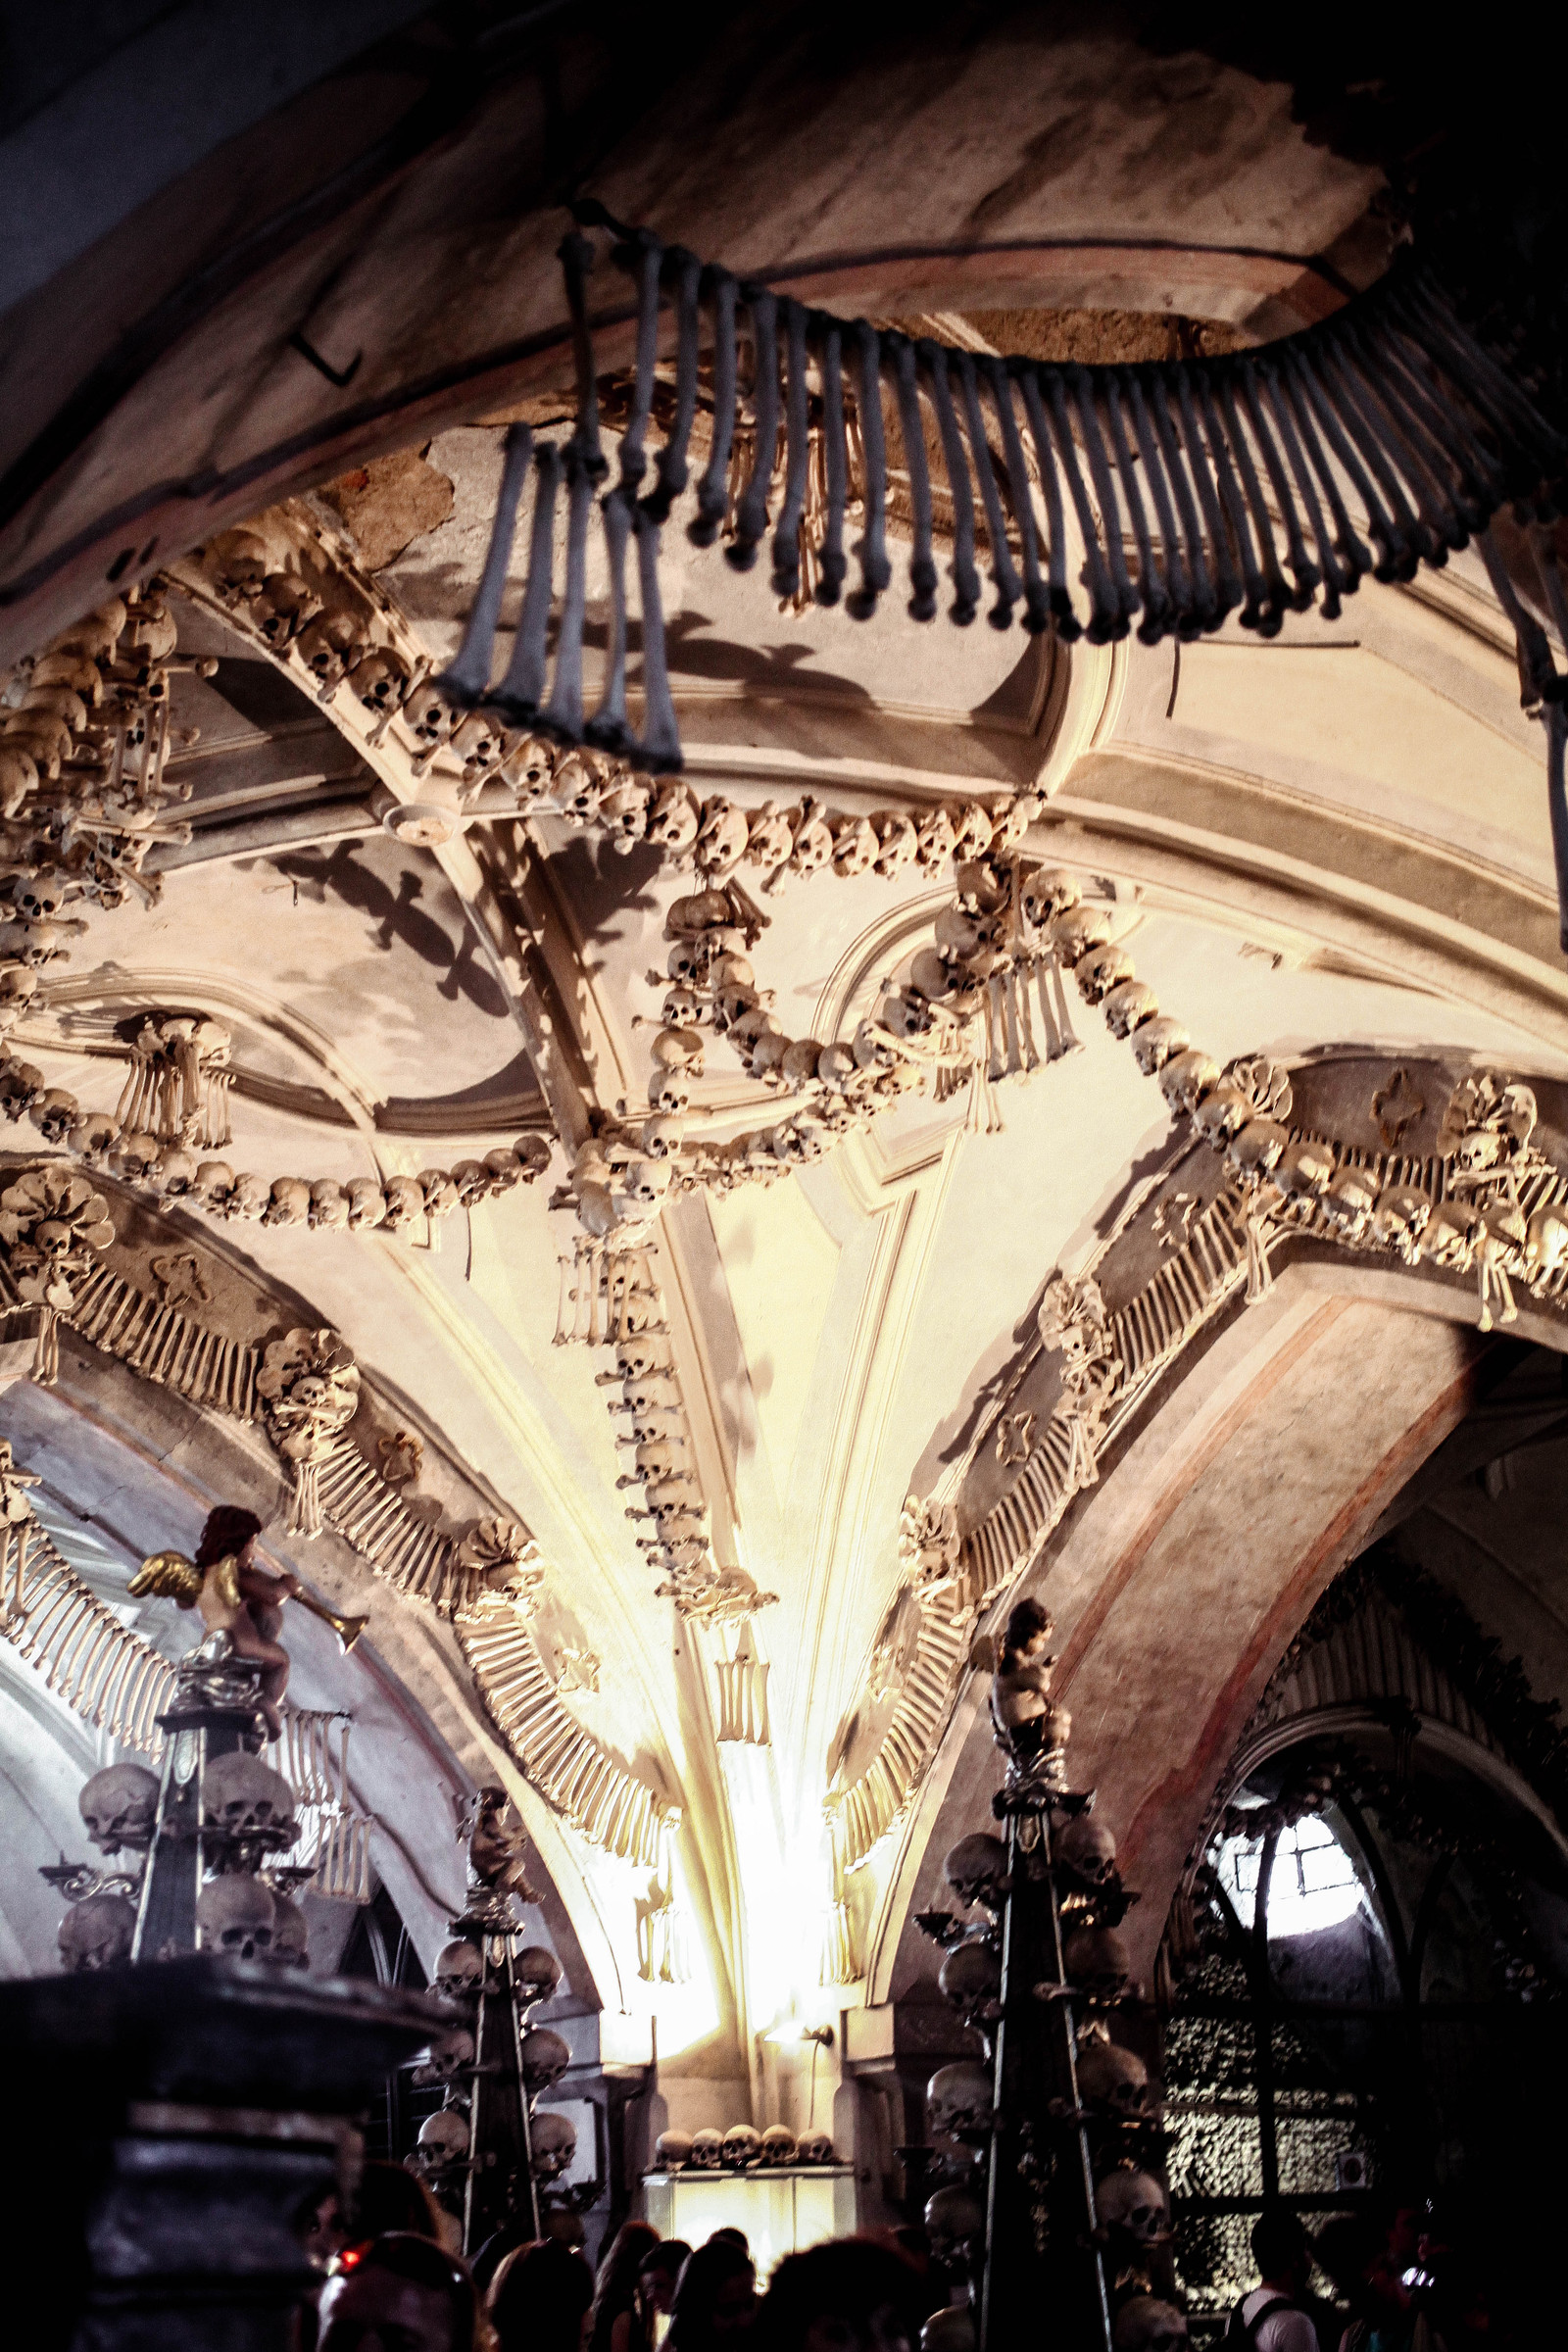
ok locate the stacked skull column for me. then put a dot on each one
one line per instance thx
(1046, 2192)
(205, 1832)
(489, 2151)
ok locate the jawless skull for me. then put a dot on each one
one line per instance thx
(242, 1796)
(96, 1932)
(119, 1806)
(235, 1915)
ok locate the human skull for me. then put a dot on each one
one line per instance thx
(778, 2144)
(896, 843)
(443, 2142)
(721, 836)
(958, 2101)
(366, 1204)
(855, 846)
(290, 1202)
(119, 1805)
(1087, 1850)
(679, 1050)
(672, 2152)
(242, 1796)
(1132, 2205)
(708, 2151)
(285, 604)
(1350, 1201)
(330, 644)
(624, 812)
(447, 2057)
(552, 2143)
(1098, 1961)
(644, 1182)
(96, 1932)
(1304, 1171)
(1077, 933)
(934, 837)
(536, 1972)
(1401, 1217)
(380, 679)
(1186, 1079)
(743, 2147)
(969, 1980)
(955, 2223)
(1114, 2082)
(241, 559)
(814, 2147)
(976, 1869)
(18, 776)
(1147, 2324)
(1546, 1245)
(329, 1205)
(438, 1191)
(1157, 1041)
(673, 821)
(458, 1970)
(1222, 1113)
(248, 1195)
(1096, 974)
(545, 2058)
(1454, 1234)
(291, 1933)
(1128, 1005)
(403, 1201)
(1257, 1149)
(236, 1916)
(212, 1184)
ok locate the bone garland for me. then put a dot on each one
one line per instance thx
(575, 1775)
(953, 1579)
(114, 1678)
(620, 1269)
(83, 740)
(51, 1224)
(170, 1172)
(1497, 1207)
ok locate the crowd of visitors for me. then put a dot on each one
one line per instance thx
(394, 2282)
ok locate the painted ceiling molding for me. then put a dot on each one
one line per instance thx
(1475, 1204)
(303, 1389)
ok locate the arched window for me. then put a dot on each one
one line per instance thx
(1345, 1986)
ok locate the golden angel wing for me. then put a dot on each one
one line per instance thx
(170, 1577)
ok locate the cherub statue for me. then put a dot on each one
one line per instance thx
(233, 1596)
(495, 1848)
(1024, 1717)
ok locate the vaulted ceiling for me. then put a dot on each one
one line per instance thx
(1331, 849)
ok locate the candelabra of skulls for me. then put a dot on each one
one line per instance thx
(490, 2153)
(198, 1846)
(1046, 2147)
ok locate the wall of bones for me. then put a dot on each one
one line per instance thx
(684, 1222)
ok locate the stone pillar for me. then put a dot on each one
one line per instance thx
(178, 2116)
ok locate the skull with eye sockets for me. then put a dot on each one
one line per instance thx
(119, 1806)
(235, 1915)
(458, 1970)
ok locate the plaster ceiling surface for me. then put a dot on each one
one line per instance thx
(1334, 842)
(838, 1332)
